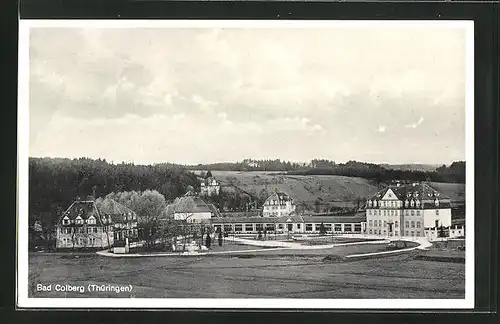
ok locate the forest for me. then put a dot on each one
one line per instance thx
(55, 183)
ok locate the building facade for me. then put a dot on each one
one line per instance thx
(191, 209)
(407, 209)
(278, 204)
(294, 224)
(209, 187)
(84, 225)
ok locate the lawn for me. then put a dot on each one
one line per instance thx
(273, 274)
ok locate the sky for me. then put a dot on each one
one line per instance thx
(206, 95)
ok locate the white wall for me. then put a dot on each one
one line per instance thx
(444, 217)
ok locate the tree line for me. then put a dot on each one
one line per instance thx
(454, 173)
(55, 183)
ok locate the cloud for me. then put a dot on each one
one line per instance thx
(155, 90)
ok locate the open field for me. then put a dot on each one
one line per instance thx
(302, 274)
(333, 190)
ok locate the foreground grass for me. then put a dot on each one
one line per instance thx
(299, 274)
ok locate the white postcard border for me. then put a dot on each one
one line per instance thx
(22, 286)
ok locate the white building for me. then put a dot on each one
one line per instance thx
(278, 204)
(209, 187)
(191, 209)
(407, 209)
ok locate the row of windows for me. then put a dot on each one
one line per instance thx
(389, 212)
(271, 227)
(80, 230)
(396, 233)
(397, 204)
(91, 220)
(378, 223)
(90, 241)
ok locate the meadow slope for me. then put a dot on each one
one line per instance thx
(339, 191)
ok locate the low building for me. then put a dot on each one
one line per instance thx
(87, 225)
(191, 209)
(292, 224)
(407, 209)
(209, 187)
(278, 204)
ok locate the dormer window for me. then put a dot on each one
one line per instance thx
(79, 220)
(66, 220)
(417, 203)
(370, 203)
(412, 203)
(91, 220)
(436, 202)
(406, 203)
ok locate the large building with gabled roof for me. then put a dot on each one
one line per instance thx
(90, 225)
(407, 209)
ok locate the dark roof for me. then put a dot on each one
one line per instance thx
(417, 191)
(99, 208)
(188, 204)
(280, 196)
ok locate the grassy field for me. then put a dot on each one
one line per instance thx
(300, 274)
(333, 190)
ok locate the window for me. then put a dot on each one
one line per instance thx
(280, 226)
(370, 223)
(66, 221)
(412, 212)
(238, 228)
(380, 223)
(418, 212)
(228, 228)
(91, 220)
(328, 227)
(270, 227)
(379, 232)
(406, 203)
(412, 233)
(385, 213)
(436, 202)
(259, 227)
(79, 220)
(369, 203)
(298, 226)
(89, 230)
(385, 232)
(437, 211)
(412, 224)
(396, 233)
(418, 233)
(407, 224)
(249, 227)
(417, 203)
(338, 228)
(412, 203)
(418, 224)
(385, 223)
(406, 233)
(379, 212)
(369, 211)
(357, 227)
(309, 227)
(370, 231)
(396, 224)
(347, 227)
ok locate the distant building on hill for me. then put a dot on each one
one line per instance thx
(209, 187)
(278, 204)
(407, 209)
